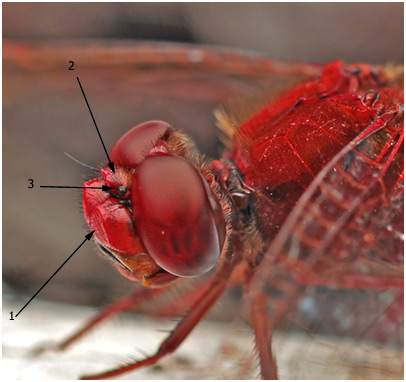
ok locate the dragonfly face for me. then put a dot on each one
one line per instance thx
(153, 222)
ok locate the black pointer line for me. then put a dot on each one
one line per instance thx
(111, 164)
(87, 237)
(103, 188)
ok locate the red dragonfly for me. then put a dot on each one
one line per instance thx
(309, 191)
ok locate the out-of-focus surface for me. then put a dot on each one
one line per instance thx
(370, 32)
(212, 351)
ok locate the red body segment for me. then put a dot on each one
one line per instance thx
(293, 137)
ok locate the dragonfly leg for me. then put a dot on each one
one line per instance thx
(217, 286)
(271, 301)
(181, 302)
(185, 299)
(263, 338)
(181, 331)
(138, 296)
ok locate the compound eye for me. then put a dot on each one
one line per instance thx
(135, 145)
(174, 217)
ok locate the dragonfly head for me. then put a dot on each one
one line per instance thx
(161, 221)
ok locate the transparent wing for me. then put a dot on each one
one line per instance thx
(346, 232)
(352, 207)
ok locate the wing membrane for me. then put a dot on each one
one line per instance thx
(345, 232)
(348, 196)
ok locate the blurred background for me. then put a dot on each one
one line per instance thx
(369, 32)
(44, 114)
